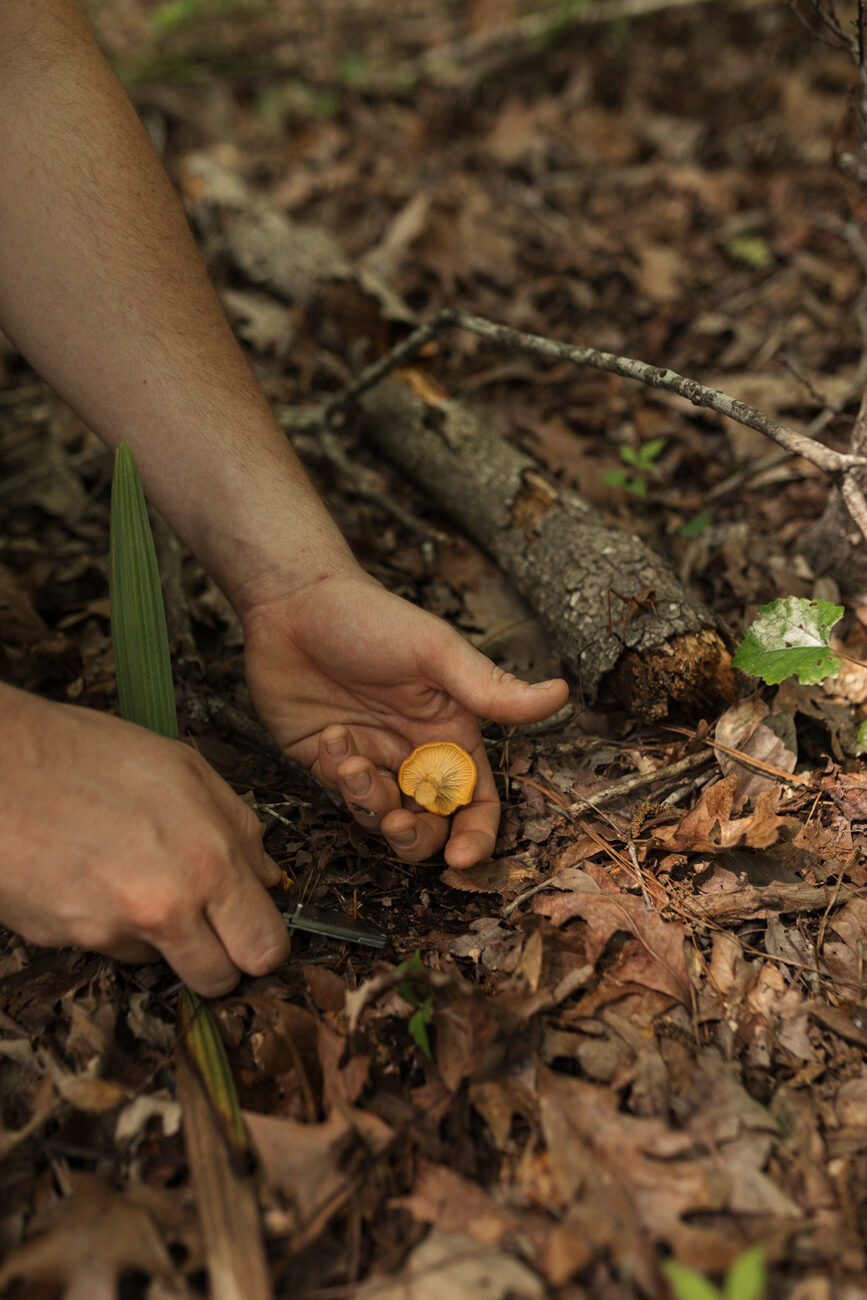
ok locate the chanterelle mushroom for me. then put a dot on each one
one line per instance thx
(440, 776)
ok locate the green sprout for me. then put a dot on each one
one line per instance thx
(745, 1279)
(423, 1013)
(641, 464)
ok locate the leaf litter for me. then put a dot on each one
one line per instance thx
(648, 1021)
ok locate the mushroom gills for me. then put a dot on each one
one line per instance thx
(440, 776)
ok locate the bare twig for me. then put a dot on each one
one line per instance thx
(637, 782)
(837, 464)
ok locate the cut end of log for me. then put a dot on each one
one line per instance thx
(682, 676)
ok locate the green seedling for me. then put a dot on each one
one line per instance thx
(745, 1280)
(423, 1013)
(696, 526)
(146, 692)
(638, 464)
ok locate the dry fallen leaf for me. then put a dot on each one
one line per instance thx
(454, 1265)
(88, 1240)
(660, 964)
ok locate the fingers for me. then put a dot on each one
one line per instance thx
(483, 688)
(201, 960)
(251, 930)
(473, 834)
(374, 799)
(415, 836)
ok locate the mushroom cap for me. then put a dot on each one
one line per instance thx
(440, 776)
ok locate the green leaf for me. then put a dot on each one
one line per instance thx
(752, 250)
(747, 1276)
(637, 486)
(629, 455)
(615, 478)
(862, 735)
(790, 636)
(138, 620)
(688, 1285)
(418, 1023)
(649, 451)
(696, 526)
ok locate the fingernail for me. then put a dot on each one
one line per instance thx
(403, 839)
(544, 685)
(338, 748)
(359, 783)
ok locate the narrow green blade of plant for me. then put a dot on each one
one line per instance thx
(862, 735)
(138, 619)
(747, 1276)
(688, 1285)
(790, 636)
(204, 1045)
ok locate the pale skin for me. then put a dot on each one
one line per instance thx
(119, 840)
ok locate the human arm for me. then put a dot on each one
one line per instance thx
(104, 292)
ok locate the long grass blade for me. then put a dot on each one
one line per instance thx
(216, 1138)
(138, 619)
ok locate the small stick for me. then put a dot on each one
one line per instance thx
(638, 782)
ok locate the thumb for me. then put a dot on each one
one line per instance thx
(486, 690)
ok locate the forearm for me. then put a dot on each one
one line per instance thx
(102, 289)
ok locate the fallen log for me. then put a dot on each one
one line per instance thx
(613, 609)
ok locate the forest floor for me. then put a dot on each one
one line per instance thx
(660, 1051)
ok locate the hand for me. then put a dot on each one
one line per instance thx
(349, 679)
(118, 840)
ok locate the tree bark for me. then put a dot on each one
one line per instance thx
(613, 608)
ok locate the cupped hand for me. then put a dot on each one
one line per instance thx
(118, 840)
(349, 679)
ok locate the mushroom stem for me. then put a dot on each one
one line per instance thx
(426, 794)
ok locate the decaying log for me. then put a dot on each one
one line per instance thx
(613, 608)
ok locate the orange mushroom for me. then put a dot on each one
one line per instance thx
(440, 776)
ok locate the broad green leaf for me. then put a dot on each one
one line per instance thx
(688, 1285)
(629, 455)
(637, 486)
(790, 636)
(747, 1276)
(138, 619)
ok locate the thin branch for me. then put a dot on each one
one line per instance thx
(796, 444)
(856, 503)
(838, 464)
(639, 781)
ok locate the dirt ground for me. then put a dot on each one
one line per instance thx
(639, 1031)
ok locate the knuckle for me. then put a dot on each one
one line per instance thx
(150, 910)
